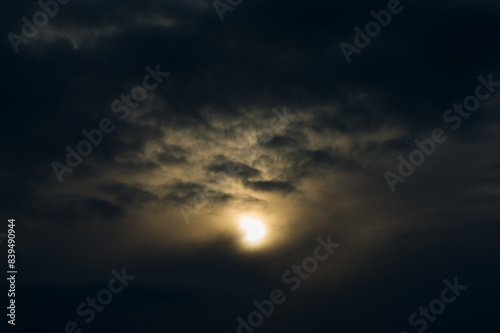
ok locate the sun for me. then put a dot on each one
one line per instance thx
(254, 230)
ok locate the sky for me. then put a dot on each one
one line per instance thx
(251, 166)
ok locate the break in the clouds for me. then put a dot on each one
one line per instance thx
(213, 138)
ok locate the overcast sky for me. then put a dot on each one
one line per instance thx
(203, 115)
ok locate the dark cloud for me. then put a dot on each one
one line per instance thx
(127, 195)
(270, 186)
(235, 169)
(172, 155)
(78, 209)
(280, 142)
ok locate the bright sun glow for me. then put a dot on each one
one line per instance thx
(253, 229)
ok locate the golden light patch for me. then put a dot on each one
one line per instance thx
(254, 231)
